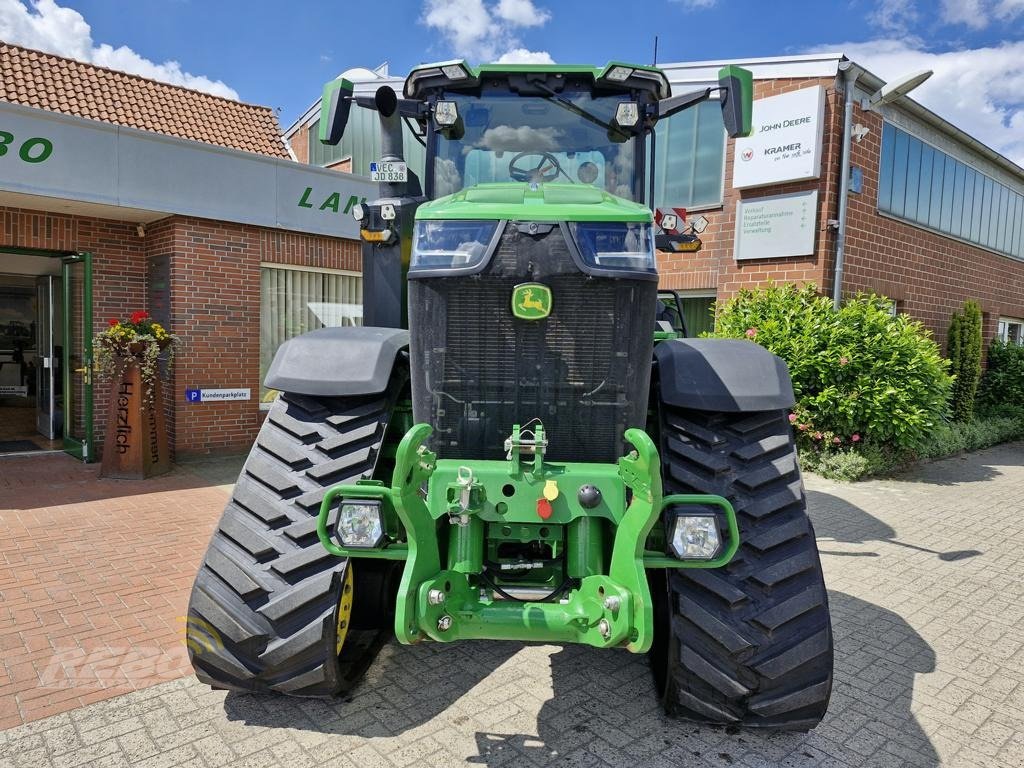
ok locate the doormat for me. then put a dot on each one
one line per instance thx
(13, 446)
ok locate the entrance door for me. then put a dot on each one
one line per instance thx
(49, 386)
(77, 360)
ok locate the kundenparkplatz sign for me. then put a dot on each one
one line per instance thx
(785, 143)
(60, 156)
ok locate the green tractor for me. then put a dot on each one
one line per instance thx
(520, 443)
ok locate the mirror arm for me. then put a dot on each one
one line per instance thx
(675, 104)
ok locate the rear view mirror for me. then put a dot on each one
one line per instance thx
(334, 108)
(737, 86)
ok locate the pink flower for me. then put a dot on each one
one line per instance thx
(855, 438)
(792, 418)
(843, 360)
(817, 435)
(803, 427)
(837, 440)
(751, 333)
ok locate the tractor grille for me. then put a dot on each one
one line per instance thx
(583, 371)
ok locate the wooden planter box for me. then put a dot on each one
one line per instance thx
(136, 440)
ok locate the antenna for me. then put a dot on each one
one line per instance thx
(655, 62)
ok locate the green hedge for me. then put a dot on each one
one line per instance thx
(861, 376)
(963, 348)
(1002, 387)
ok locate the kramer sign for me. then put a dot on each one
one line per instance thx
(785, 144)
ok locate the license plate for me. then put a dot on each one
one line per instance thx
(389, 172)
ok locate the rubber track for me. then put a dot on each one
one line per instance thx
(262, 615)
(751, 643)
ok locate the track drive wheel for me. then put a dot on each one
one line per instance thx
(749, 644)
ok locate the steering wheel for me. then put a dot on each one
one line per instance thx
(540, 172)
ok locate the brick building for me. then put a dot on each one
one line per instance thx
(909, 233)
(180, 203)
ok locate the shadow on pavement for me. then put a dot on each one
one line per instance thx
(405, 687)
(838, 520)
(604, 709)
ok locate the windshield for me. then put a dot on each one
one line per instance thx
(507, 137)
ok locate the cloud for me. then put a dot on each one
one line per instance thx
(487, 32)
(979, 90)
(50, 27)
(894, 15)
(971, 13)
(524, 56)
(696, 5)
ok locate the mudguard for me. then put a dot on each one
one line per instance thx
(726, 375)
(332, 362)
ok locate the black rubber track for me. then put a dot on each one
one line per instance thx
(263, 611)
(749, 644)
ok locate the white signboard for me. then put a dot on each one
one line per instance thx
(785, 142)
(776, 226)
(216, 395)
(13, 389)
(65, 157)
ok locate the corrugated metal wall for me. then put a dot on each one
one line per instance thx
(361, 142)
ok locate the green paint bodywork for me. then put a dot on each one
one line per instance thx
(515, 201)
(480, 505)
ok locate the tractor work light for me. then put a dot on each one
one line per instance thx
(360, 523)
(358, 212)
(455, 71)
(387, 211)
(695, 537)
(619, 74)
(670, 222)
(699, 224)
(446, 113)
(627, 114)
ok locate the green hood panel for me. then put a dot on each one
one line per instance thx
(548, 202)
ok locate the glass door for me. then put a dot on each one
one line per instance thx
(77, 360)
(49, 387)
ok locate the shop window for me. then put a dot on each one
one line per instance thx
(295, 300)
(924, 185)
(697, 309)
(1011, 330)
(691, 158)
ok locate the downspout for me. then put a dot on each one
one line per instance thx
(850, 75)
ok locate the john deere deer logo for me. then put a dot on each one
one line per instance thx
(531, 301)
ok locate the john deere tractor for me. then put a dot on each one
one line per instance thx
(519, 443)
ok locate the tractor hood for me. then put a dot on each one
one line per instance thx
(514, 201)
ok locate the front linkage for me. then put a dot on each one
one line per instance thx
(596, 600)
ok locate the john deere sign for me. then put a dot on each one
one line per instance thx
(531, 301)
(64, 157)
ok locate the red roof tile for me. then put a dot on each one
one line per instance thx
(42, 80)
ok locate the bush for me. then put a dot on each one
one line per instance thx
(963, 348)
(1001, 391)
(952, 438)
(861, 377)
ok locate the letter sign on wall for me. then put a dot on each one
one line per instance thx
(785, 143)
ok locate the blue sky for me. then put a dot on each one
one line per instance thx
(281, 54)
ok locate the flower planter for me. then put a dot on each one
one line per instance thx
(136, 440)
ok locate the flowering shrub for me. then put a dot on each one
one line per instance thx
(860, 375)
(140, 339)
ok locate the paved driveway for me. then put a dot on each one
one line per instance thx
(925, 582)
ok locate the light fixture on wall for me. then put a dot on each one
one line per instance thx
(859, 131)
(892, 90)
(140, 230)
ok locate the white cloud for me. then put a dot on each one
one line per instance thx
(486, 32)
(521, 13)
(1007, 10)
(894, 15)
(524, 56)
(972, 13)
(979, 90)
(50, 27)
(696, 5)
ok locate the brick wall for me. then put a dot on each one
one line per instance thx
(929, 275)
(713, 267)
(214, 302)
(118, 265)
